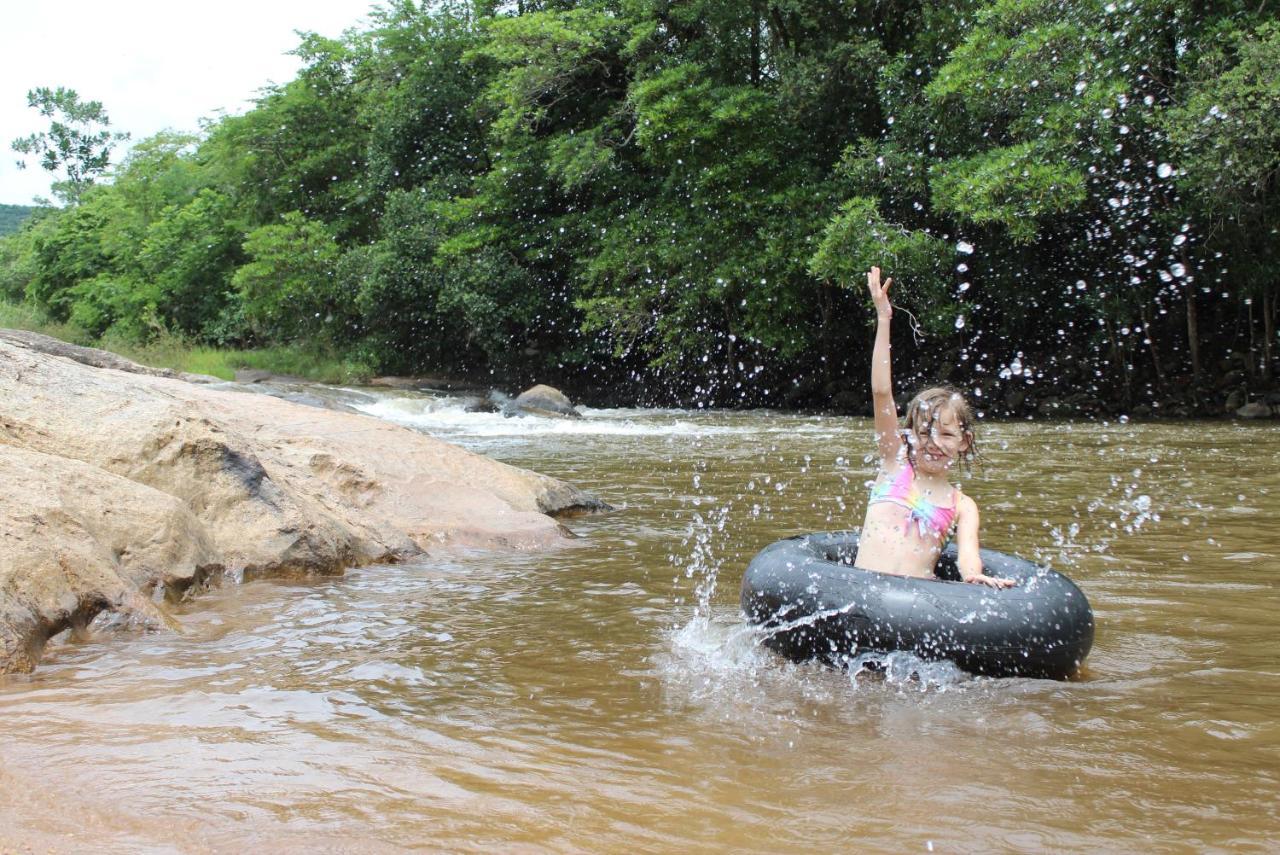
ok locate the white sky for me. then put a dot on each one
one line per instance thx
(154, 64)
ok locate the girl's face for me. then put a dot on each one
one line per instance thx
(939, 443)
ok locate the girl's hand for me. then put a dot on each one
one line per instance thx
(880, 294)
(993, 581)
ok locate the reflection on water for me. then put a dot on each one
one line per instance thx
(607, 695)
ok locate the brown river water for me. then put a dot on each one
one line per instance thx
(608, 696)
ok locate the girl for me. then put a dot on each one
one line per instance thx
(913, 507)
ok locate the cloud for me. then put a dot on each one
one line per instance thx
(153, 65)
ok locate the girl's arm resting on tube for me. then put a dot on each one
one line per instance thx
(968, 559)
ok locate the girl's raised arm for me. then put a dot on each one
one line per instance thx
(886, 411)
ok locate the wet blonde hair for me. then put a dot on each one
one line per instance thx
(925, 408)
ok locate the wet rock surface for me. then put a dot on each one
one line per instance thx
(428, 383)
(129, 486)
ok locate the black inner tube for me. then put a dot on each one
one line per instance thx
(814, 604)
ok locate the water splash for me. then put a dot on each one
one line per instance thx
(703, 562)
(718, 645)
(905, 671)
(1133, 509)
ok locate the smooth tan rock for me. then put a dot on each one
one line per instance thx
(542, 400)
(126, 484)
(93, 357)
(77, 540)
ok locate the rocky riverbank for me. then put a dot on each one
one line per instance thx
(127, 488)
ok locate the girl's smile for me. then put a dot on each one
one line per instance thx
(938, 447)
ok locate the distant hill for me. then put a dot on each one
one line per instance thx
(11, 217)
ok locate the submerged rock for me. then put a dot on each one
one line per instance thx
(1257, 410)
(476, 404)
(125, 488)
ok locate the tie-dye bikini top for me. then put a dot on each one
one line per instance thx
(902, 490)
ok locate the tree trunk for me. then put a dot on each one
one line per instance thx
(1193, 335)
(1120, 363)
(1252, 366)
(1149, 335)
(1268, 332)
(755, 44)
(731, 348)
(826, 310)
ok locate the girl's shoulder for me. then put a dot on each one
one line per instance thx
(964, 504)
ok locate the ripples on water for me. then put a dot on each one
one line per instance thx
(608, 696)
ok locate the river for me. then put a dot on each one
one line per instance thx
(608, 697)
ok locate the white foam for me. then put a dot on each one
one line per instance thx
(718, 645)
(449, 416)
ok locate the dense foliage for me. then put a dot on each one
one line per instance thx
(656, 201)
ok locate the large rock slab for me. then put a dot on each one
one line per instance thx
(77, 541)
(124, 488)
(92, 356)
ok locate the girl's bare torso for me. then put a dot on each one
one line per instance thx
(891, 541)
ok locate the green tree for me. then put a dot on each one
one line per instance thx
(67, 249)
(302, 147)
(685, 196)
(78, 143)
(288, 288)
(1227, 136)
(187, 260)
(420, 97)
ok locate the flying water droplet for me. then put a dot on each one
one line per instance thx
(964, 247)
(1164, 170)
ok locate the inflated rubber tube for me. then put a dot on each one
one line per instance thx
(814, 604)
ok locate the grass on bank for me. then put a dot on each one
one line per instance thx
(170, 351)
